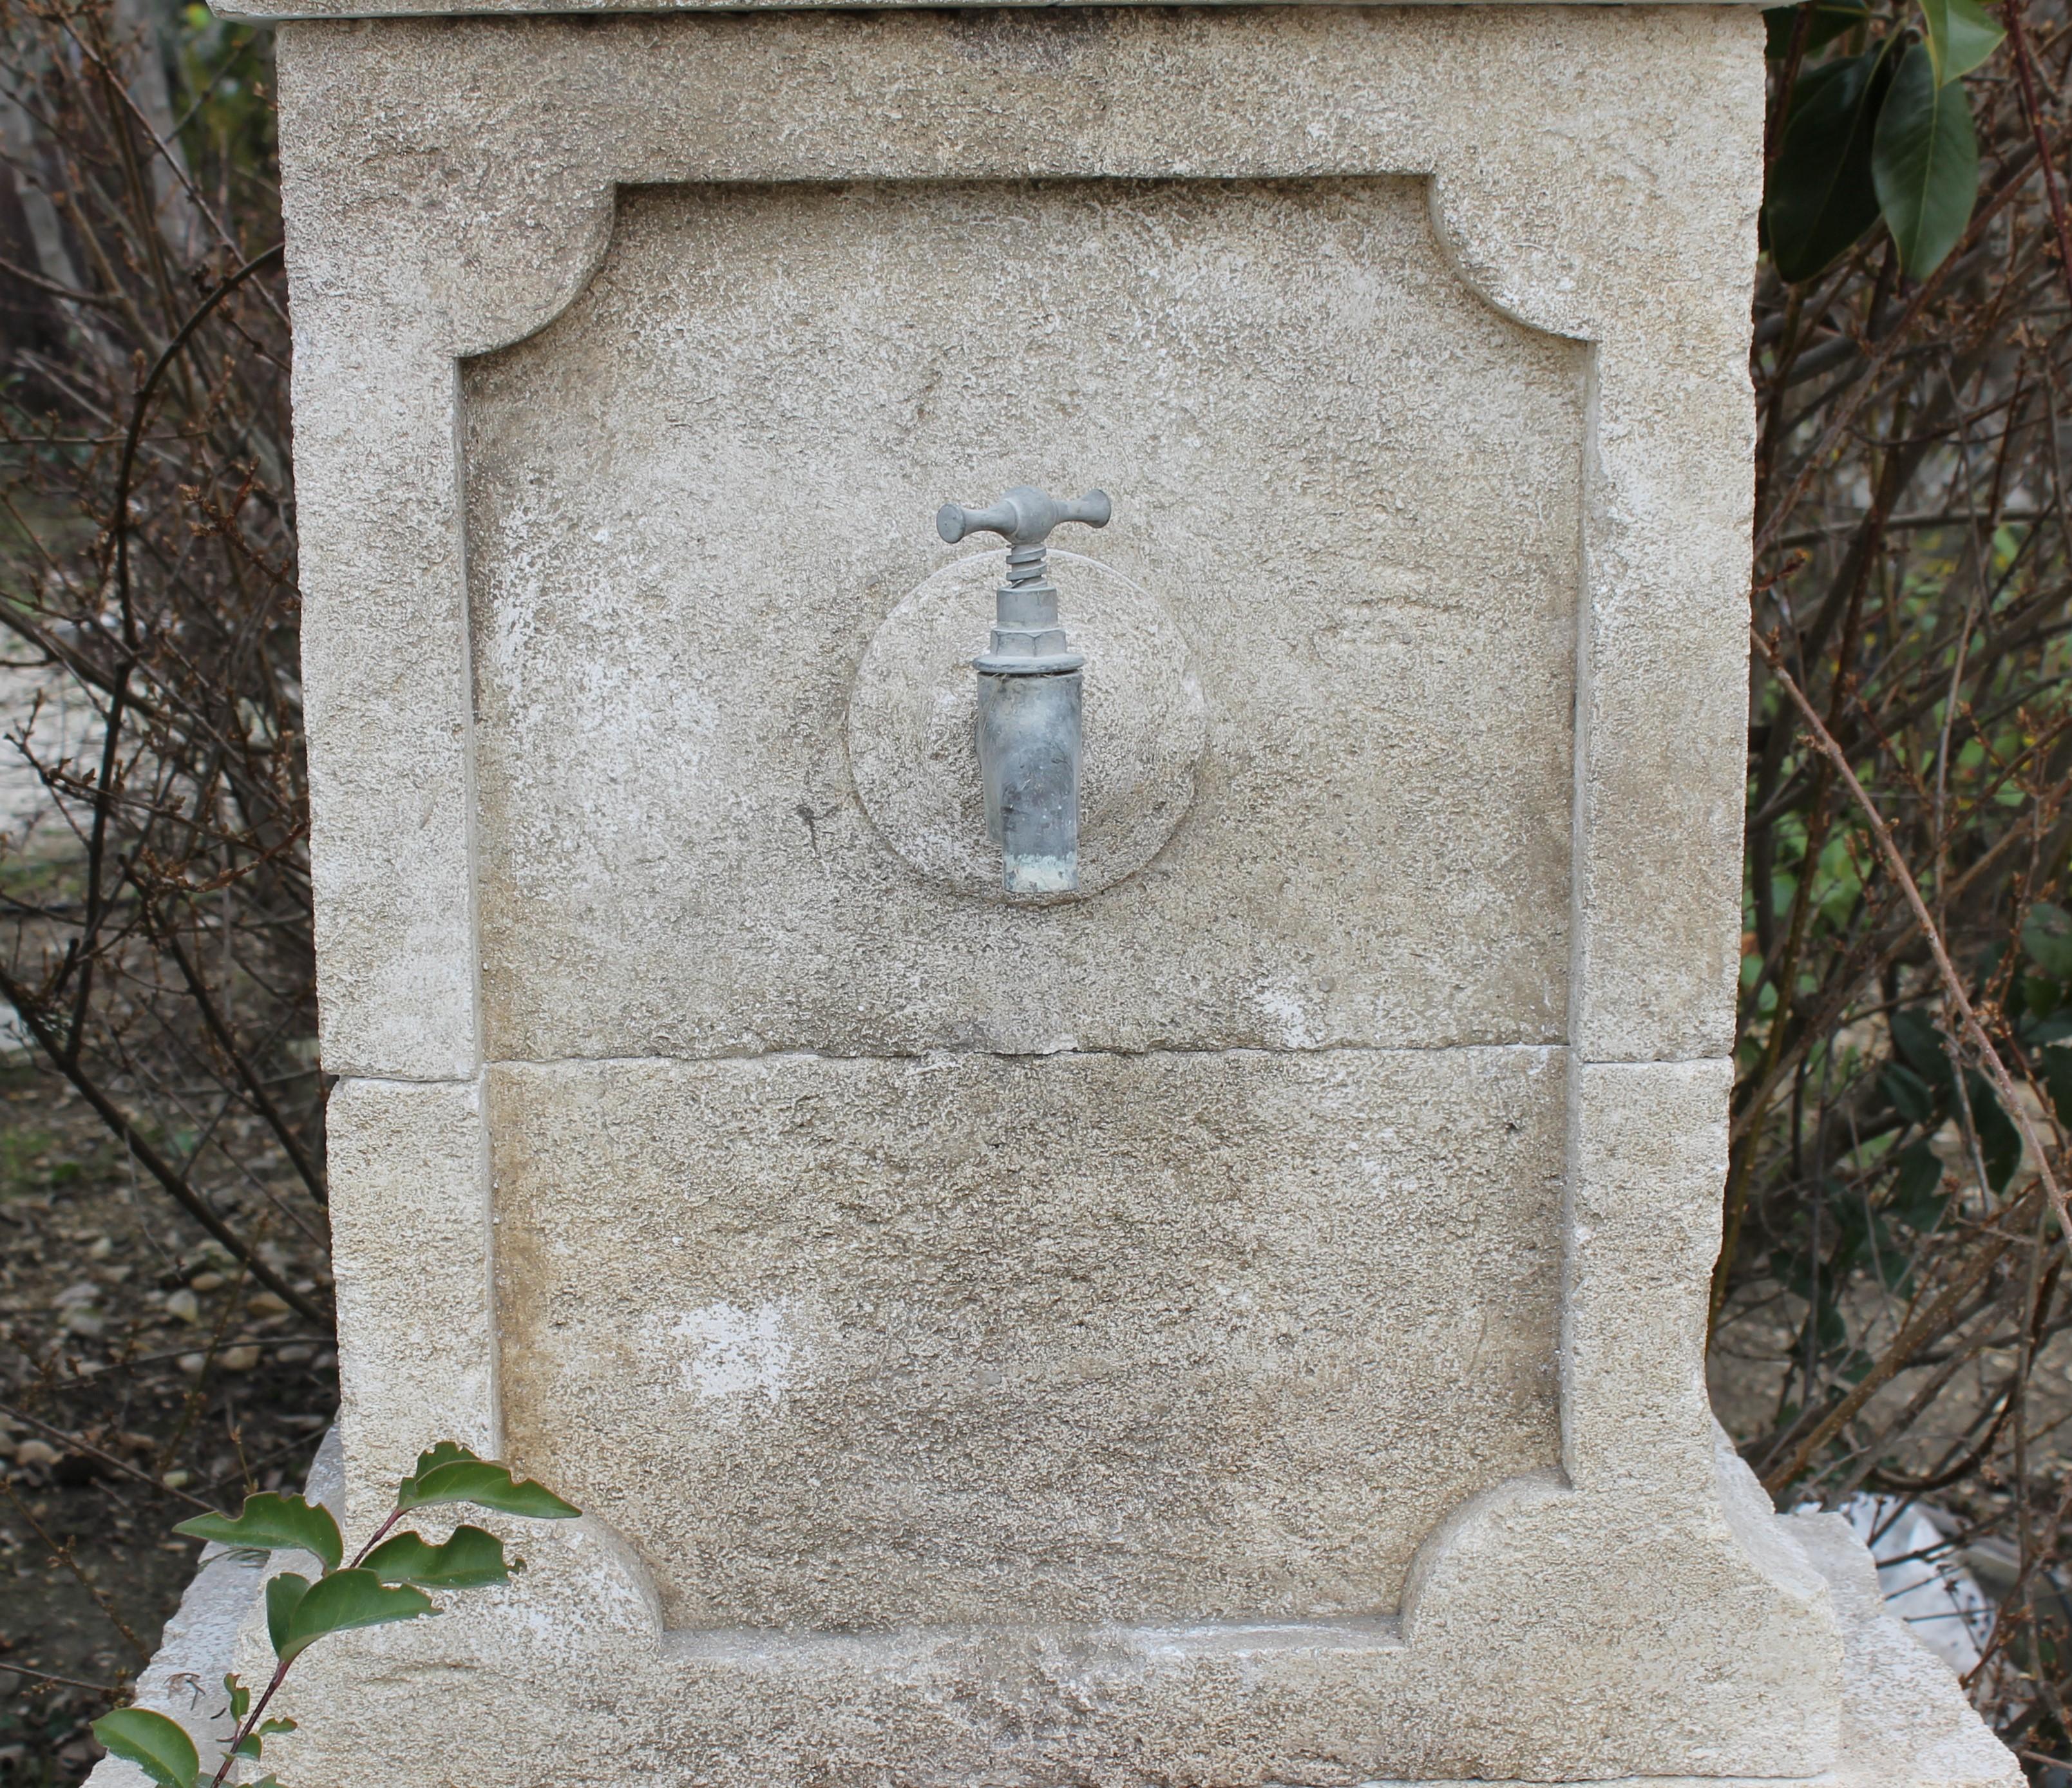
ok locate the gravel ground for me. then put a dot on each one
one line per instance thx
(165, 1377)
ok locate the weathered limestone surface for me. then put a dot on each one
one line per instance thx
(1905, 1721)
(410, 1211)
(1592, 173)
(870, 1345)
(1359, 535)
(1243, 1326)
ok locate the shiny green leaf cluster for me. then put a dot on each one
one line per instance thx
(1883, 132)
(385, 1583)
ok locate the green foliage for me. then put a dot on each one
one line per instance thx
(1920, 1046)
(158, 1746)
(1918, 1199)
(1925, 162)
(227, 67)
(299, 1612)
(1961, 35)
(1908, 1094)
(1884, 132)
(470, 1559)
(271, 1523)
(1821, 197)
(2046, 940)
(1922, 1089)
(385, 1585)
(250, 1743)
(284, 1594)
(1880, 1215)
(449, 1473)
(2054, 1067)
(2000, 1139)
(1830, 19)
(341, 1600)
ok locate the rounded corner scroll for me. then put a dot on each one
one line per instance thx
(526, 289)
(1470, 255)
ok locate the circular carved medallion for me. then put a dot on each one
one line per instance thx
(913, 716)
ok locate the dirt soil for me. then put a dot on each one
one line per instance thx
(141, 1377)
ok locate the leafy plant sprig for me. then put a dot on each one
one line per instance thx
(385, 1581)
(1884, 132)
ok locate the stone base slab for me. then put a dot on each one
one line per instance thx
(1906, 1723)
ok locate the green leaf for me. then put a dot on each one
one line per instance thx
(2000, 1142)
(1920, 1046)
(250, 1743)
(269, 1523)
(344, 1600)
(1908, 1094)
(1821, 197)
(1917, 1199)
(449, 1473)
(1961, 35)
(1925, 164)
(2054, 1065)
(240, 1697)
(444, 1452)
(158, 1746)
(1830, 18)
(284, 1594)
(1829, 1327)
(2046, 939)
(470, 1559)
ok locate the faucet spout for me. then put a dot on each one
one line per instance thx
(1030, 731)
(1030, 701)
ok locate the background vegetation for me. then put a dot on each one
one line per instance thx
(164, 1309)
(1891, 1307)
(1890, 1303)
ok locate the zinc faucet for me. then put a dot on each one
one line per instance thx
(1029, 710)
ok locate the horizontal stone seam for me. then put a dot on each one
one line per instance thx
(1827, 1779)
(938, 1060)
(1381, 1631)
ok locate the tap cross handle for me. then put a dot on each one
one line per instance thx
(1025, 515)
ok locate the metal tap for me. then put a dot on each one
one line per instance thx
(1029, 709)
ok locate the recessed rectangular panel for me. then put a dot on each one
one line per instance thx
(694, 499)
(870, 1345)
(874, 1252)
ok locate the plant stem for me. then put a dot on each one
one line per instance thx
(1989, 1058)
(109, 1689)
(2025, 73)
(375, 1538)
(251, 1723)
(245, 1731)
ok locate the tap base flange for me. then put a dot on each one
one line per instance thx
(913, 717)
